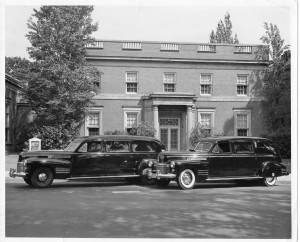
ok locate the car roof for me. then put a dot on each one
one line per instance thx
(116, 137)
(232, 138)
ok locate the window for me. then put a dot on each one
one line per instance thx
(242, 122)
(93, 122)
(94, 146)
(131, 118)
(206, 119)
(222, 147)
(117, 146)
(169, 82)
(143, 146)
(131, 82)
(242, 85)
(206, 84)
(243, 147)
(265, 148)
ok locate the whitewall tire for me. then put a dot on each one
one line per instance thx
(186, 179)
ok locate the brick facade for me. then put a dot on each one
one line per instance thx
(221, 106)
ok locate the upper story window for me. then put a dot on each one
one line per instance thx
(206, 84)
(131, 82)
(242, 85)
(169, 82)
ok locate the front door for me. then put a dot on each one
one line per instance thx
(169, 133)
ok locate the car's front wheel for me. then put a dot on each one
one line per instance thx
(269, 181)
(42, 177)
(28, 181)
(186, 179)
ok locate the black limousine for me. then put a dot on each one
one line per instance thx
(219, 159)
(106, 156)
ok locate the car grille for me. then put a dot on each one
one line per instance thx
(20, 167)
(162, 168)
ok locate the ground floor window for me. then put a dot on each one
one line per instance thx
(242, 122)
(94, 122)
(131, 118)
(206, 119)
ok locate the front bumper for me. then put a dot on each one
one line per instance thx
(13, 173)
(160, 176)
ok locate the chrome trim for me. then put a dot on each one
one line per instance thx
(98, 177)
(234, 178)
(13, 173)
(159, 175)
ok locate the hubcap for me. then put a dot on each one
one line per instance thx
(42, 177)
(187, 178)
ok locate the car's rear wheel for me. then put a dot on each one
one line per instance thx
(269, 181)
(162, 183)
(147, 181)
(186, 179)
(42, 177)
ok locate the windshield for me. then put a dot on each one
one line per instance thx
(73, 145)
(201, 146)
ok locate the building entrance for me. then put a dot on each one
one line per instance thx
(170, 133)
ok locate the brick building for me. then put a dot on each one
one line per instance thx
(175, 85)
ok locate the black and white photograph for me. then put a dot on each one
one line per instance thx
(149, 120)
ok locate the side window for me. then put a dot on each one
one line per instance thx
(95, 146)
(83, 148)
(142, 146)
(243, 147)
(117, 146)
(222, 147)
(265, 148)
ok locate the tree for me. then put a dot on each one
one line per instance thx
(276, 78)
(61, 86)
(224, 32)
(18, 68)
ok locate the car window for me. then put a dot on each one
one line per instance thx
(222, 147)
(117, 146)
(142, 146)
(265, 148)
(243, 147)
(94, 146)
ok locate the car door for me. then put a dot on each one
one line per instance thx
(117, 156)
(244, 159)
(89, 160)
(220, 164)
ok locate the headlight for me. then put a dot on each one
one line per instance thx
(150, 163)
(172, 164)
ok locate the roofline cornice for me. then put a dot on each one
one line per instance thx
(120, 58)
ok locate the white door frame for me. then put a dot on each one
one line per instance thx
(169, 127)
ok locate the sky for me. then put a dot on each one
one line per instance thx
(174, 21)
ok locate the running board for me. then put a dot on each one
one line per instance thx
(233, 178)
(100, 177)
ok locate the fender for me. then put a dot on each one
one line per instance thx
(271, 168)
(193, 165)
(144, 164)
(61, 168)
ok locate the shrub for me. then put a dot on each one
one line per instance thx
(115, 132)
(143, 129)
(198, 132)
(282, 138)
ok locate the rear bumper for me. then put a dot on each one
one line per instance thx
(13, 173)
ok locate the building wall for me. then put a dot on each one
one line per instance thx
(150, 62)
